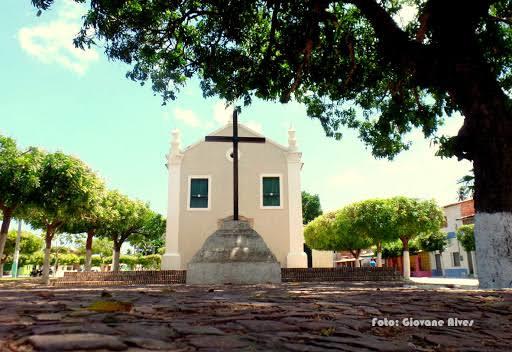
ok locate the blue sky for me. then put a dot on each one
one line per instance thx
(60, 98)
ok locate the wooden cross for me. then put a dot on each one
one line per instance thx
(235, 140)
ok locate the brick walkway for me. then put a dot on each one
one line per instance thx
(287, 317)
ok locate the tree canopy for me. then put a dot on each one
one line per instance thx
(311, 207)
(466, 236)
(336, 231)
(432, 241)
(331, 55)
(413, 217)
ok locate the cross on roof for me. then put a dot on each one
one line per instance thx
(235, 139)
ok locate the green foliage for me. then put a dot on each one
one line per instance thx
(336, 231)
(432, 241)
(467, 188)
(129, 260)
(311, 207)
(348, 61)
(68, 189)
(151, 261)
(68, 259)
(412, 217)
(466, 236)
(19, 174)
(95, 260)
(34, 259)
(151, 239)
(395, 248)
(29, 244)
(100, 246)
(106, 260)
(374, 218)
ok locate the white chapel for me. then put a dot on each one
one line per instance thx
(200, 195)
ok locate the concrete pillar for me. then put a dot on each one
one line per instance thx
(296, 257)
(171, 260)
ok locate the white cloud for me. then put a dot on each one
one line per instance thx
(187, 116)
(222, 114)
(52, 42)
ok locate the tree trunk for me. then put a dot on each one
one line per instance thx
(355, 254)
(7, 216)
(46, 262)
(88, 250)
(115, 257)
(406, 258)
(379, 254)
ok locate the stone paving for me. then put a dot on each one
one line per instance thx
(287, 317)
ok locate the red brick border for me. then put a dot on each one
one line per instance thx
(165, 277)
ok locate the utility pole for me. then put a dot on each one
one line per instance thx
(14, 269)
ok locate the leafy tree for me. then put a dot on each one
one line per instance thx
(128, 218)
(67, 190)
(29, 244)
(467, 188)
(349, 62)
(152, 239)
(19, 178)
(101, 246)
(466, 236)
(311, 207)
(336, 231)
(432, 241)
(411, 218)
(89, 222)
(374, 218)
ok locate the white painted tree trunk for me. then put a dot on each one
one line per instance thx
(493, 239)
(115, 260)
(379, 259)
(88, 259)
(407, 265)
(357, 263)
(46, 266)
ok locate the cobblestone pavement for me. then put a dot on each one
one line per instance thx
(287, 317)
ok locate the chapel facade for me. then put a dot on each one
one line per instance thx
(200, 195)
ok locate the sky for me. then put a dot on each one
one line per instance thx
(57, 97)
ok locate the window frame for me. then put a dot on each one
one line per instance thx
(280, 177)
(203, 177)
(456, 255)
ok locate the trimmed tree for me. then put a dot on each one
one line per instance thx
(411, 218)
(152, 239)
(466, 236)
(89, 222)
(373, 217)
(336, 231)
(19, 179)
(127, 218)
(29, 244)
(311, 207)
(67, 190)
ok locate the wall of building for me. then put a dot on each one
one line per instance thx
(210, 159)
(454, 214)
(322, 259)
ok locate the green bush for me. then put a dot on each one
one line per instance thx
(151, 261)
